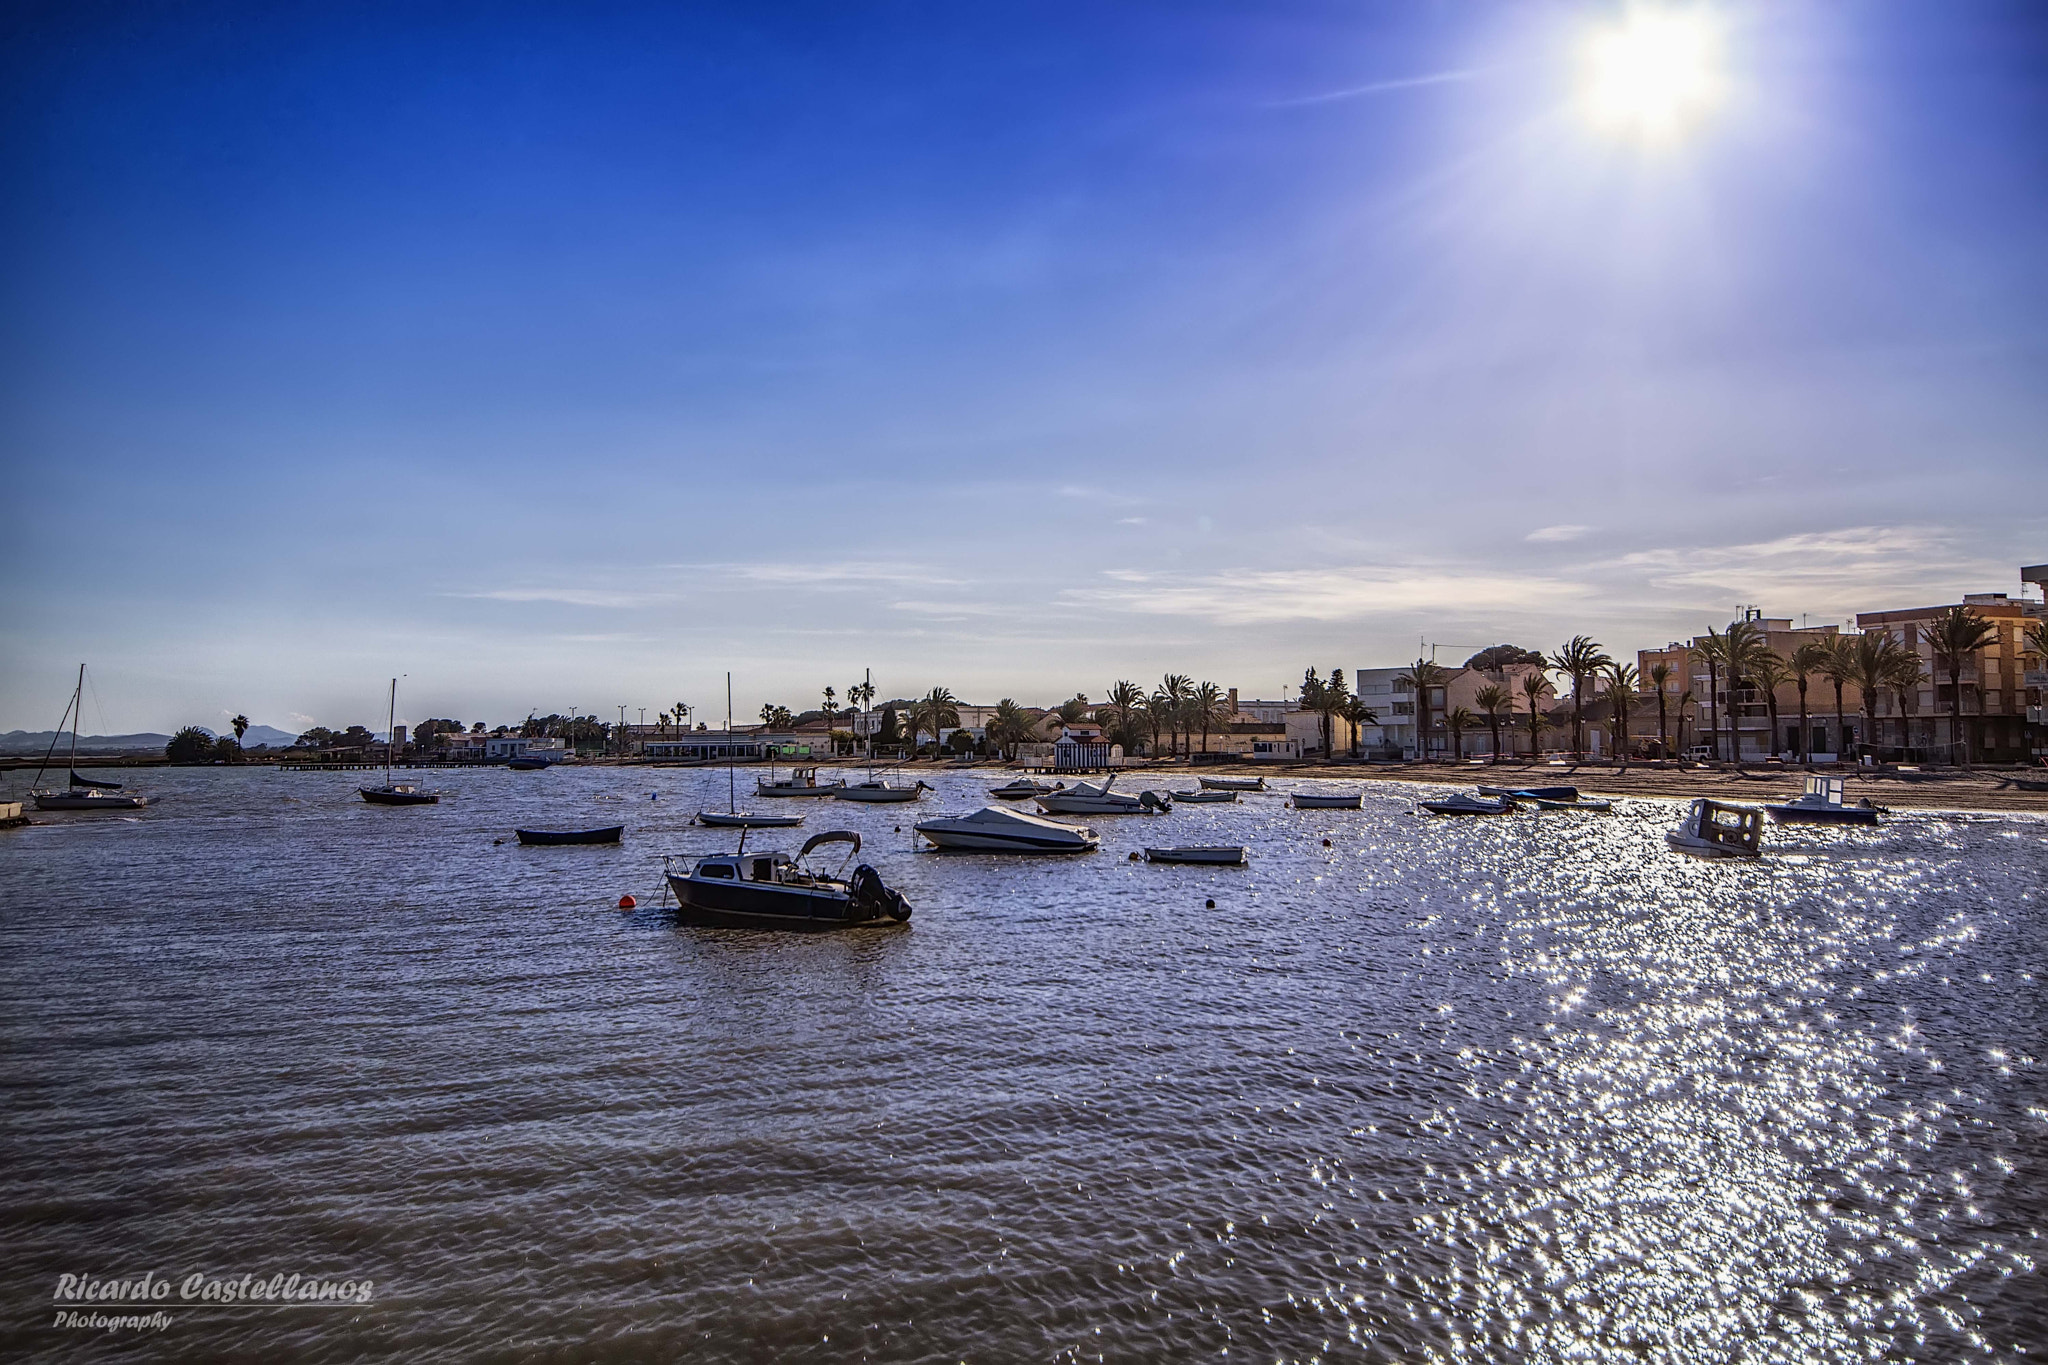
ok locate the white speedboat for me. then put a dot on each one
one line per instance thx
(1234, 784)
(1022, 789)
(1210, 855)
(1095, 798)
(996, 829)
(1717, 829)
(1327, 801)
(880, 791)
(802, 782)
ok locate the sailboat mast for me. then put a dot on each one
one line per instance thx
(390, 732)
(77, 698)
(732, 798)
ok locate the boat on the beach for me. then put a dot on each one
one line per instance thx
(739, 819)
(1205, 797)
(1718, 829)
(1599, 805)
(549, 837)
(742, 890)
(1531, 793)
(1211, 855)
(1233, 784)
(1462, 804)
(802, 782)
(1328, 801)
(1821, 804)
(1095, 798)
(1022, 789)
(395, 793)
(998, 829)
(80, 793)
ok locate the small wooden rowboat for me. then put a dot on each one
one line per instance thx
(1213, 855)
(608, 835)
(1233, 784)
(1326, 801)
(1206, 797)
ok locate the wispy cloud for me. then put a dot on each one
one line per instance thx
(848, 573)
(1544, 534)
(1133, 521)
(1337, 593)
(1373, 88)
(573, 597)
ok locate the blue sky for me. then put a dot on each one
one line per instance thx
(573, 355)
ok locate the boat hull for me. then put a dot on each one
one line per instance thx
(1207, 798)
(1090, 805)
(1303, 801)
(737, 820)
(1701, 848)
(1233, 784)
(84, 801)
(961, 840)
(763, 789)
(1821, 815)
(746, 905)
(610, 834)
(1466, 807)
(1206, 857)
(379, 796)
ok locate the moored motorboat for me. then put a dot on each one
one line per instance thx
(1532, 793)
(802, 782)
(88, 800)
(1328, 801)
(1233, 784)
(1718, 829)
(609, 834)
(744, 890)
(1205, 797)
(1212, 855)
(1461, 804)
(1599, 805)
(523, 764)
(1821, 804)
(880, 791)
(1022, 789)
(739, 819)
(998, 829)
(399, 794)
(1095, 798)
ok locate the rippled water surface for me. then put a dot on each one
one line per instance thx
(1528, 1088)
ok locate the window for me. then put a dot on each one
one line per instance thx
(716, 870)
(1404, 708)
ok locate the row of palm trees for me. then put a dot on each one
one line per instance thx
(1179, 708)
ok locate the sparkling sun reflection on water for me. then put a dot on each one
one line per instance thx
(1459, 1091)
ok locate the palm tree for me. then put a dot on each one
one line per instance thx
(1807, 660)
(1534, 687)
(1769, 671)
(1335, 695)
(862, 696)
(1314, 692)
(1172, 695)
(1741, 647)
(1009, 727)
(1904, 676)
(1838, 666)
(1360, 715)
(241, 727)
(1660, 678)
(1494, 699)
(1713, 650)
(1873, 662)
(1126, 705)
(1957, 634)
(1212, 704)
(1458, 720)
(1422, 676)
(1622, 683)
(1579, 659)
(934, 711)
(1074, 708)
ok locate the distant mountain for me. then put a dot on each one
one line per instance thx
(36, 741)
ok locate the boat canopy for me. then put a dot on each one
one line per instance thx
(78, 781)
(830, 836)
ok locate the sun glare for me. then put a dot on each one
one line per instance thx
(1655, 73)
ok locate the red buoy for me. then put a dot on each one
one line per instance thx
(627, 903)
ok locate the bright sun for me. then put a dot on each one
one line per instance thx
(1655, 73)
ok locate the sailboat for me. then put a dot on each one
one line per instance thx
(393, 793)
(82, 793)
(732, 817)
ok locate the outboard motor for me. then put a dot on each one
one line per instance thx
(875, 900)
(1153, 801)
